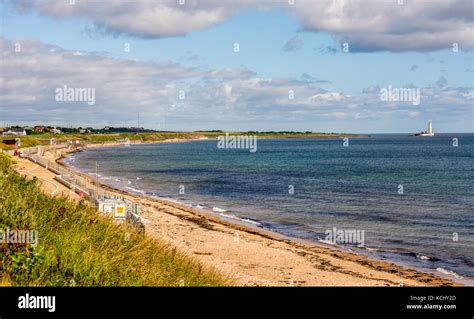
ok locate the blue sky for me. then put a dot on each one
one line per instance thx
(261, 35)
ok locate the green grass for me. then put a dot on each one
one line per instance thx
(43, 138)
(77, 246)
(26, 141)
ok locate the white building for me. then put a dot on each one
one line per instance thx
(15, 132)
(116, 207)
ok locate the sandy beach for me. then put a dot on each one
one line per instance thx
(251, 257)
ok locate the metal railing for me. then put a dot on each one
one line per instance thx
(76, 184)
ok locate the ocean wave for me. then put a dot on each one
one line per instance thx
(427, 258)
(324, 241)
(250, 221)
(242, 220)
(448, 272)
(401, 252)
(229, 216)
(135, 190)
(152, 194)
(372, 249)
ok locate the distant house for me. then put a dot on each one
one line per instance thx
(56, 131)
(15, 132)
(40, 129)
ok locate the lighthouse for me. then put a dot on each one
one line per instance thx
(428, 132)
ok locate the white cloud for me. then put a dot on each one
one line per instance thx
(30, 78)
(328, 96)
(374, 25)
(231, 73)
(293, 44)
(367, 25)
(142, 18)
(218, 99)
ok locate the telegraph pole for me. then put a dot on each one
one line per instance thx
(96, 180)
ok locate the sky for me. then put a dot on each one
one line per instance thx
(239, 65)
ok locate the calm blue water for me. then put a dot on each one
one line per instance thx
(355, 187)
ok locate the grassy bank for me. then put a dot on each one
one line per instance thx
(43, 139)
(26, 141)
(78, 247)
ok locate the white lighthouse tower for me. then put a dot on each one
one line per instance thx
(428, 132)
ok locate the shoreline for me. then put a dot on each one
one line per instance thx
(295, 261)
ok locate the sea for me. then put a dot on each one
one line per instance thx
(410, 199)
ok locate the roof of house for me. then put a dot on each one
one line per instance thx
(16, 129)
